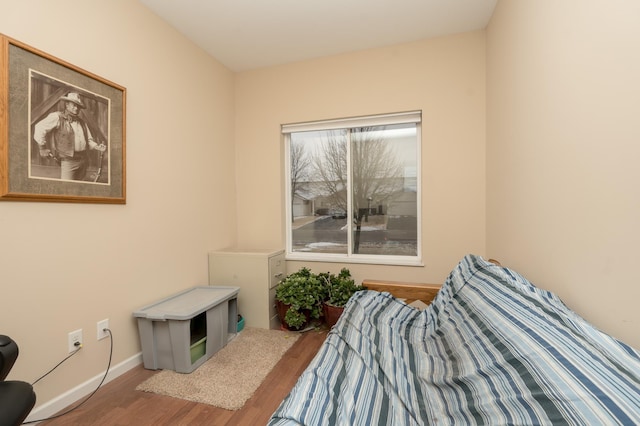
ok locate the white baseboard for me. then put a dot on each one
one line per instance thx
(66, 399)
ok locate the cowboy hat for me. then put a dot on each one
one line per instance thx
(73, 97)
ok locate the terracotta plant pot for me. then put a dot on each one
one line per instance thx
(332, 313)
(282, 309)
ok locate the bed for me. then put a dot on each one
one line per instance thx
(490, 348)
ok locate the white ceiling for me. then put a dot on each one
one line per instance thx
(249, 34)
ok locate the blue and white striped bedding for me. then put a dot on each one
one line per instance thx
(491, 349)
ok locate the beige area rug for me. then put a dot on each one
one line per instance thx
(231, 376)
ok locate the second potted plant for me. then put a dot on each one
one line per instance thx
(340, 288)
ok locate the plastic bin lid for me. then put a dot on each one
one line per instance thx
(187, 304)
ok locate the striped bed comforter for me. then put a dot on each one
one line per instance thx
(491, 349)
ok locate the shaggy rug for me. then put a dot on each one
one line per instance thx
(229, 378)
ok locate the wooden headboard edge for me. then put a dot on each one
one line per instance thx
(404, 290)
(408, 291)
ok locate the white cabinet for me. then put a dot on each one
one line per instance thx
(257, 273)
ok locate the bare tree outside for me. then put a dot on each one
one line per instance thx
(377, 171)
(329, 164)
(299, 170)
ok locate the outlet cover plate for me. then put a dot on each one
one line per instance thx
(101, 326)
(74, 337)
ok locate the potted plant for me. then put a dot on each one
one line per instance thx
(340, 288)
(299, 298)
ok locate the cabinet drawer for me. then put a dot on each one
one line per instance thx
(276, 270)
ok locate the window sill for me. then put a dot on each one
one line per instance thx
(361, 259)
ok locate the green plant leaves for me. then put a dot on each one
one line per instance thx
(307, 291)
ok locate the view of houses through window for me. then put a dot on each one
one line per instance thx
(354, 191)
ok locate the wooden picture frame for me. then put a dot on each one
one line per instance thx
(40, 158)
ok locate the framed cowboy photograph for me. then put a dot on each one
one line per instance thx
(62, 130)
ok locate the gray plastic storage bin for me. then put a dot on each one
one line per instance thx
(182, 331)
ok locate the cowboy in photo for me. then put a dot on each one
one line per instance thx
(63, 135)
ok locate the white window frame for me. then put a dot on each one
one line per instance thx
(354, 122)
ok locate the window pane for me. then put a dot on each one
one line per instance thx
(318, 173)
(384, 190)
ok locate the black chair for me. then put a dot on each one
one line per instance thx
(16, 398)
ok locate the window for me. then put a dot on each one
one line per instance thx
(353, 189)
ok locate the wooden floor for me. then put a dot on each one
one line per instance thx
(118, 403)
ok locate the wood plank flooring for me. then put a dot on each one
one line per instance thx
(119, 404)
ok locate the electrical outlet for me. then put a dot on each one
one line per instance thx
(101, 326)
(75, 340)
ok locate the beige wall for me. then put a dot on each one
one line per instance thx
(563, 205)
(444, 77)
(67, 266)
